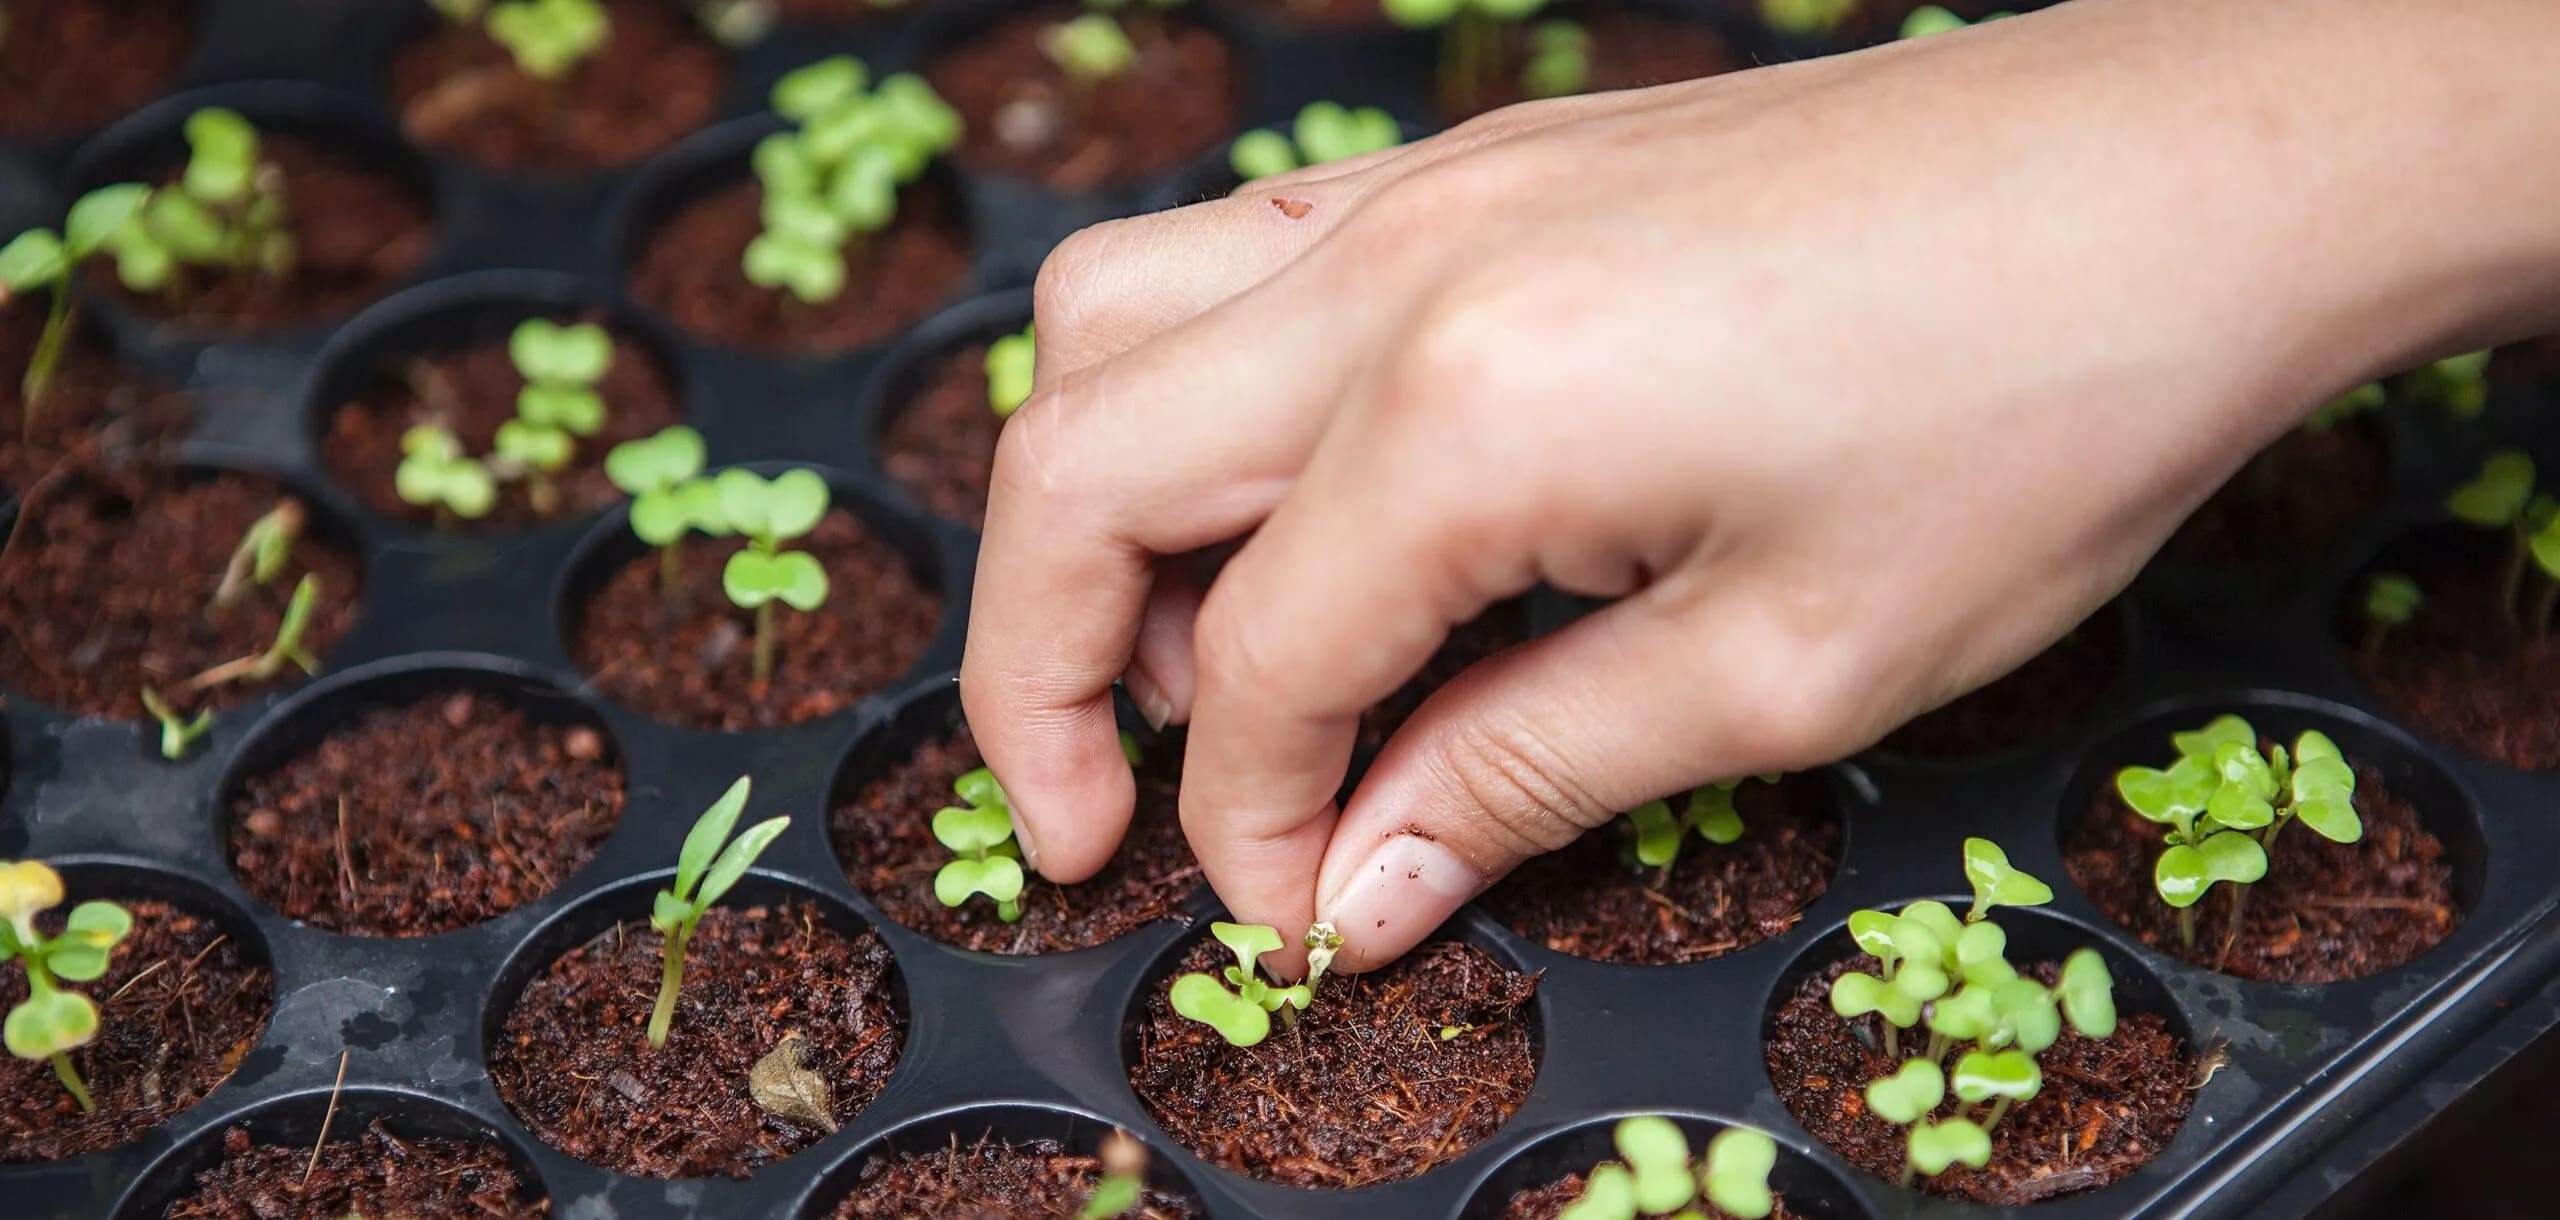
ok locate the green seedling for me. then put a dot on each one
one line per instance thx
(979, 831)
(661, 474)
(1088, 49)
(1736, 1174)
(1953, 1141)
(1123, 1184)
(549, 38)
(1324, 132)
(1475, 37)
(265, 548)
(288, 648)
(41, 260)
(1657, 833)
(434, 474)
(2502, 498)
(227, 210)
(178, 734)
(1934, 19)
(705, 871)
(534, 453)
(2456, 385)
(53, 1022)
(2391, 599)
(2002, 1078)
(768, 513)
(561, 366)
(834, 178)
(1009, 367)
(1242, 1015)
(2358, 401)
(1997, 884)
(2223, 803)
(1559, 60)
(1807, 18)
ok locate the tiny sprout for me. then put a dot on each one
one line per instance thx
(1089, 48)
(1559, 63)
(561, 366)
(42, 259)
(659, 474)
(1806, 18)
(1322, 942)
(701, 880)
(1324, 132)
(1009, 365)
(265, 547)
(1995, 883)
(288, 648)
(228, 209)
(979, 831)
(1709, 811)
(1123, 1185)
(549, 38)
(2223, 803)
(1241, 1016)
(2501, 498)
(2457, 385)
(1953, 1141)
(51, 1022)
(1451, 1033)
(178, 734)
(2391, 599)
(536, 452)
(1935, 19)
(2355, 402)
(770, 512)
(434, 474)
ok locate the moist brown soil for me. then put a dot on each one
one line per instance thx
(574, 1060)
(655, 80)
(2325, 912)
(472, 392)
(885, 841)
(1178, 99)
(2107, 1107)
(1497, 628)
(92, 406)
(941, 444)
(2304, 492)
(375, 1173)
(1591, 900)
(357, 232)
(2053, 688)
(106, 586)
(1364, 1090)
(692, 661)
(1629, 50)
(73, 64)
(180, 1004)
(426, 818)
(989, 1180)
(689, 271)
(1322, 14)
(2457, 673)
(1549, 1201)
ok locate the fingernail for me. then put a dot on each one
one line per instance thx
(1150, 698)
(1407, 887)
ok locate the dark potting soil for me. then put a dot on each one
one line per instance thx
(420, 819)
(990, 1180)
(692, 661)
(1499, 627)
(1177, 100)
(885, 841)
(2458, 672)
(180, 1004)
(90, 400)
(1549, 1201)
(689, 271)
(2302, 493)
(1364, 1090)
(72, 64)
(106, 587)
(1591, 900)
(655, 80)
(357, 232)
(472, 392)
(2107, 1107)
(375, 1173)
(574, 1060)
(846, 10)
(1629, 50)
(2325, 912)
(2050, 690)
(941, 444)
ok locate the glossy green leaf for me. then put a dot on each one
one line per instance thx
(738, 858)
(1856, 995)
(1113, 1196)
(2087, 992)
(1091, 47)
(49, 1022)
(971, 830)
(97, 216)
(1712, 811)
(1981, 955)
(2207, 742)
(1935, 1146)
(1980, 1076)
(2186, 871)
(1609, 1193)
(1559, 60)
(1966, 1016)
(1736, 1173)
(1657, 833)
(2029, 1019)
(2496, 497)
(1909, 1094)
(1873, 930)
(998, 877)
(667, 912)
(1996, 883)
(784, 165)
(702, 842)
(32, 260)
(1938, 918)
(655, 463)
(1657, 1157)
(1200, 998)
(1248, 941)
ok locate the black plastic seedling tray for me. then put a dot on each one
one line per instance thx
(2322, 1082)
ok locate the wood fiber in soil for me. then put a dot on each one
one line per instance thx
(1590, 901)
(2302, 493)
(2113, 1104)
(90, 399)
(1629, 50)
(357, 232)
(574, 1060)
(376, 1173)
(655, 80)
(1497, 628)
(72, 64)
(472, 392)
(941, 445)
(1364, 1090)
(692, 663)
(2457, 673)
(990, 1180)
(105, 586)
(1178, 99)
(179, 1005)
(2325, 912)
(688, 270)
(2053, 688)
(1549, 1201)
(420, 819)
(885, 841)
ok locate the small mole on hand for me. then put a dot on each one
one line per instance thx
(1294, 209)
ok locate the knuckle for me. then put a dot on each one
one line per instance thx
(1034, 462)
(1229, 653)
(1070, 295)
(1524, 786)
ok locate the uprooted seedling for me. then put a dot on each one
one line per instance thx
(1240, 1006)
(705, 872)
(834, 178)
(52, 1021)
(288, 648)
(1323, 132)
(1654, 1175)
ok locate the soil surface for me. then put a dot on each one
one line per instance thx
(2325, 912)
(357, 232)
(885, 841)
(2107, 1107)
(1549, 1201)
(180, 1004)
(2300, 494)
(692, 662)
(990, 1180)
(2052, 689)
(2457, 672)
(689, 271)
(73, 64)
(375, 1173)
(574, 1060)
(91, 399)
(472, 392)
(414, 820)
(1178, 99)
(1591, 900)
(1364, 1090)
(1629, 50)
(107, 583)
(654, 81)
(941, 444)
(1497, 628)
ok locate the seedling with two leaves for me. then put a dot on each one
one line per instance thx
(2502, 498)
(1654, 1175)
(104, 221)
(2391, 599)
(2223, 802)
(1240, 1007)
(1095, 46)
(436, 474)
(226, 212)
(979, 833)
(1323, 132)
(834, 178)
(1657, 833)
(52, 1022)
(769, 513)
(705, 872)
(548, 38)
(662, 475)
(559, 403)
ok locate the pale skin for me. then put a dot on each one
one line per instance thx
(1853, 383)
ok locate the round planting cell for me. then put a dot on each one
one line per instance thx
(73, 64)
(389, 1152)
(1012, 1159)
(934, 433)
(2468, 668)
(1537, 1182)
(655, 80)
